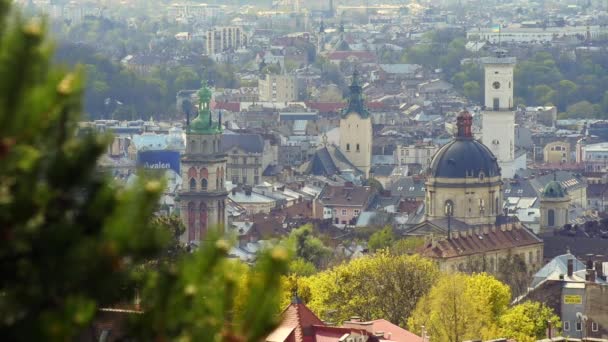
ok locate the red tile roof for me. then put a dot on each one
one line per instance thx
(229, 106)
(298, 317)
(391, 331)
(469, 242)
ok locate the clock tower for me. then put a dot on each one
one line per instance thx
(498, 118)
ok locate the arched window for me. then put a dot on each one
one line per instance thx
(222, 178)
(203, 220)
(192, 184)
(192, 172)
(191, 221)
(204, 183)
(551, 217)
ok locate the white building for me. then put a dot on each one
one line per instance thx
(420, 154)
(534, 35)
(498, 118)
(225, 38)
(594, 156)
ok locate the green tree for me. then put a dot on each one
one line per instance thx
(302, 268)
(73, 241)
(408, 245)
(308, 247)
(472, 90)
(527, 322)
(461, 307)
(582, 109)
(372, 287)
(381, 239)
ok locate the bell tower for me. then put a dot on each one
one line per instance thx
(498, 117)
(356, 129)
(202, 197)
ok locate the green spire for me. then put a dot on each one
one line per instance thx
(356, 104)
(203, 124)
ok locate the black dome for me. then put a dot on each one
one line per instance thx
(462, 158)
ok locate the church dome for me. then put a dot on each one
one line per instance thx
(554, 190)
(464, 157)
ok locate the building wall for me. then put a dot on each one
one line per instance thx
(203, 194)
(560, 211)
(243, 167)
(278, 88)
(415, 154)
(498, 128)
(221, 39)
(489, 261)
(556, 152)
(343, 214)
(533, 35)
(356, 141)
(474, 201)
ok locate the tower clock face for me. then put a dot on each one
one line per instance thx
(496, 85)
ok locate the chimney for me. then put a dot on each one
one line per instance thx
(355, 319)
(599, 270)
(248, 191)
(590, 277)
(570, 267)
(379, 334)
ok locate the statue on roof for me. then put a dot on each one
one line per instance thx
(204, 96)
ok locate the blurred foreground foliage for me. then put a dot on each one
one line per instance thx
(71, 241)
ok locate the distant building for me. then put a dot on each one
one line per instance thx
(420, 154)
(203, 195)
(343, 204)
(356, 130)
(557, 152)
(221, 39)
(244, 158)
(577, 294)
(593, 156)
(554, 206)
(278, 88)
(535, 35)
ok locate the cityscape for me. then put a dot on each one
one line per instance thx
(304, 171)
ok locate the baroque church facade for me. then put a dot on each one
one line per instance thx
(464, 224)
(203, 196)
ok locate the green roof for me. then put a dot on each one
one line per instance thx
(203, 123)
(554, 190)
(356, 104)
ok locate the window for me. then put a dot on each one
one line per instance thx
(244, 160)
(256, 179)
(348, 147)
(204, 183)
(594, 327)
(530, 258)
(520, 191)
(566, 326)
(192, 184)
(356, 211)
(579, 326)
(358, 149)
(411, 188)
(508, 191)
(551, 218)
(244, 179)
(496, 104)
(235, 180)
(343, 211)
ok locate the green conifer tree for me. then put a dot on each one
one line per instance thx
(72, 242)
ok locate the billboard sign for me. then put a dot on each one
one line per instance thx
(159, 160)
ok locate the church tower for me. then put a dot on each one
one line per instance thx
(498, 126)
(554, 205)
(203, 194)
(356, 129)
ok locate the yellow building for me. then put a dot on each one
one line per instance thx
(356, 130)
(278, 88)
(557, 152)
(463, 207)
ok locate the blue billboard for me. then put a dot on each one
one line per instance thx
(159, 160)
